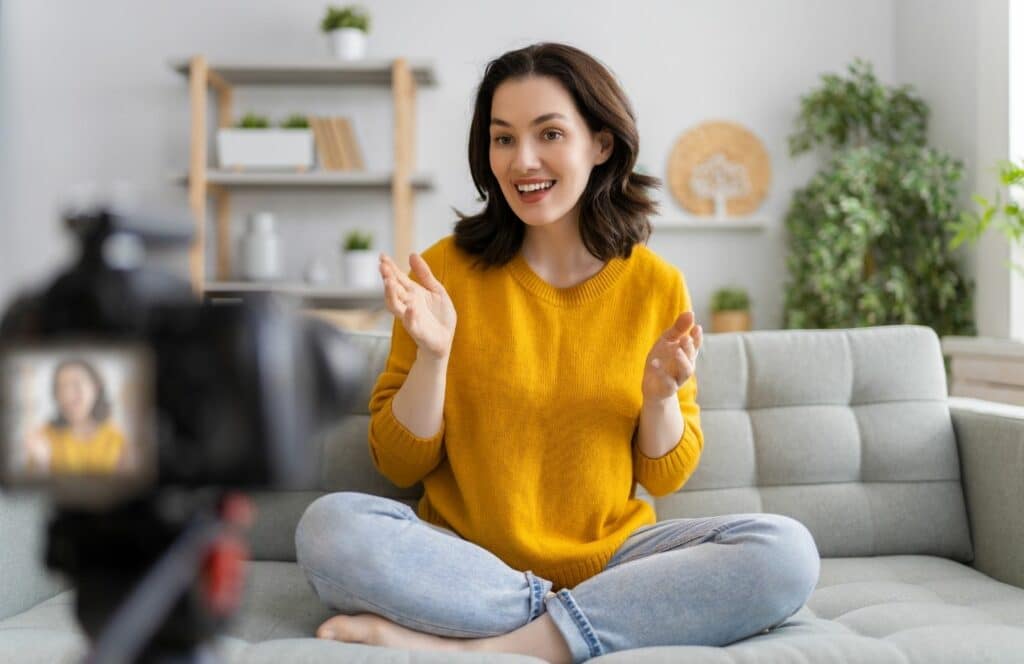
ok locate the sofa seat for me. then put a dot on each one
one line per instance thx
(908, 609)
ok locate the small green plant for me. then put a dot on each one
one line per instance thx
(349, 16)
(296, 121)
(730, 299)
(1009, 216)
(357, 240)
(253, 121)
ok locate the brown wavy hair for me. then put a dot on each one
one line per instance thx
(615, 203)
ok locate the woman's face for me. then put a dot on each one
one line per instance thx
(76, 394)
(537, 135)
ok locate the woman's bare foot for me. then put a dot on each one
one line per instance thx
(377, 630)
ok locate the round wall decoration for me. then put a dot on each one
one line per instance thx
(720, 169)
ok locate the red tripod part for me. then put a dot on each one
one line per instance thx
(223, 573)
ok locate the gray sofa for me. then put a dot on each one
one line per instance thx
(916, 503)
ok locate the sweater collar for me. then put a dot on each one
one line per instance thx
(573, 295)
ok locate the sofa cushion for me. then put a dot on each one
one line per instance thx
(904, 609)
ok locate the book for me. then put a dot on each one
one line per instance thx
(324, 144)
(338, 140)
(352, 150)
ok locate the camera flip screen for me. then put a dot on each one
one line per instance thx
(78, 417)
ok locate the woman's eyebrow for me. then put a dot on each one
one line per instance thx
(542, 118)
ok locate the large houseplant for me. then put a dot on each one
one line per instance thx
(868, 234)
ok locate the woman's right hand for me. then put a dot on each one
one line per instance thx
(426, 311)
(37, 447)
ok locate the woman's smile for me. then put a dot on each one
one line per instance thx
(535, 192)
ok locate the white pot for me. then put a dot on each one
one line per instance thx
(359, 269)
(265, 148)
(347, 43)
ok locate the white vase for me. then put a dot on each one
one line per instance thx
(259, 249)
(359, 269)
(347, 43)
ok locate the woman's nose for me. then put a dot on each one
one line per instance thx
(525, 159)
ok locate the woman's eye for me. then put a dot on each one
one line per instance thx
(553, 131)
(498, 140)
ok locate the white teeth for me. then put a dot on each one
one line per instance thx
(534, 187)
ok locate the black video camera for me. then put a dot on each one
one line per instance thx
(146, 412)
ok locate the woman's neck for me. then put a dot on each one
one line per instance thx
(557, 254)
(84, 429)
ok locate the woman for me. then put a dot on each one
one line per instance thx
(541, 365)
(81, 437)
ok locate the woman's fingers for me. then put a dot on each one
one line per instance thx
(399, 275)
(675, 363)
(422, 270)
(393, 297)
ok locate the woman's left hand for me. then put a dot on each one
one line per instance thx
(671, 361)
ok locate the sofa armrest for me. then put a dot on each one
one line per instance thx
(990, 438)
(24, 579)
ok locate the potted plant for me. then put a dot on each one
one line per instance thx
(730, 310)
(346, 28)
(359, 261)
(989, 368)
(252, 144)
(867, 234)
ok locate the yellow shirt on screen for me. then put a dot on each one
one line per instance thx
(99, 453)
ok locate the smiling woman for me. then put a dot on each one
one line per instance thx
(553, 140)
(542, 365)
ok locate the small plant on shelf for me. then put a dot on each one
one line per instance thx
(349, 16)
(253, 121)
(730, 310)
(296, 121)
(359, 261)
(357, 240)
(346, 29)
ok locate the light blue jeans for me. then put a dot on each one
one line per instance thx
(706, 581)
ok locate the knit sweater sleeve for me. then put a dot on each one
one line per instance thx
(397, 453)
(666, 474)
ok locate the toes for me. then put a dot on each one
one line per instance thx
(335, 628)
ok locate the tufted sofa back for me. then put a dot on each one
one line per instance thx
(848, 431)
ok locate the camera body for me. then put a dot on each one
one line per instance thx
(145, 411)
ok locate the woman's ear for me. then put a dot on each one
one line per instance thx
(605, 142)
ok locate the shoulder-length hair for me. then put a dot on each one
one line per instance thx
(100, 409)
(615, 203)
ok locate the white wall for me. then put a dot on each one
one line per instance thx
(956, 54)
(90, 97)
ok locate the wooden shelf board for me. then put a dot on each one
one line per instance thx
(696, 223)
(311, 71)
(326, 294)
(313, 178)
(995, 347)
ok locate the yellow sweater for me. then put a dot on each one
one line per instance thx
(97, 454)
(536, 459)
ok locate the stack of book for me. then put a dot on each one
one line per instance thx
(336, 144)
